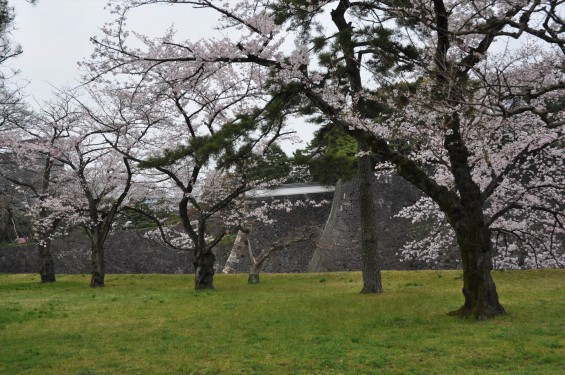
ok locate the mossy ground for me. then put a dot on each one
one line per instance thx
(288, 324)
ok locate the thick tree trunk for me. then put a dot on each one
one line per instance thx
(203, 262)
(45, 262)
(479, 290)
(97, 263)
(369, 242)
(472, 233)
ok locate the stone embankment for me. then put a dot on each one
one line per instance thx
(336, 249)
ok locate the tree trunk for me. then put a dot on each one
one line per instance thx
(253, 278)
(472, 233)
(479, 290)
(203, 262)
(97, 262)
(369, 242)
(45, 262)
(238, 251)
(254, 266)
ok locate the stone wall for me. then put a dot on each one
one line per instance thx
(126, 252)
(296, 256)
(339, 245)
(336, 249)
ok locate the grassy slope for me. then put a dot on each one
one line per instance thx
(300, 323)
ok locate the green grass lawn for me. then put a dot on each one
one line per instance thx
(288, 324)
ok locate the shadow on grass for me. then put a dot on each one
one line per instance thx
(36, 285)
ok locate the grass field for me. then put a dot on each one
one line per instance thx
(288, 324)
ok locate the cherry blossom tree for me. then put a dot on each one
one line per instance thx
(101, 180)
(242, 246)
(481, 128)
(474, 122)
(14, 111)
(202, 132)
(30, 147)
(477, 89)
(80, 180)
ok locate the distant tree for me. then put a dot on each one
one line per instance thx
(19, 130)
(32, 149)
(33, 182)
(103, 180)
(274, 165)
(250, 212)
(75, 179)
(13, 111)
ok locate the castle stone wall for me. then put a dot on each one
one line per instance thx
(336, 249)
(339, 245)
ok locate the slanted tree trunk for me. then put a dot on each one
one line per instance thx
(46, 264)
(369, 241)
(97, 265)
(239, 248)
(203, 261)
(237, 252)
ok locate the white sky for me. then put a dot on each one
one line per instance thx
(55, 35)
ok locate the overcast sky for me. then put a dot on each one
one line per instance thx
(55, 35)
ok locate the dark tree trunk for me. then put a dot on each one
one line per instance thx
(97, 263)
(203, 262)
(45, 262)
(369, 242)
(253, 278)
(254, 267)
(479, 290)
(472, 233)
